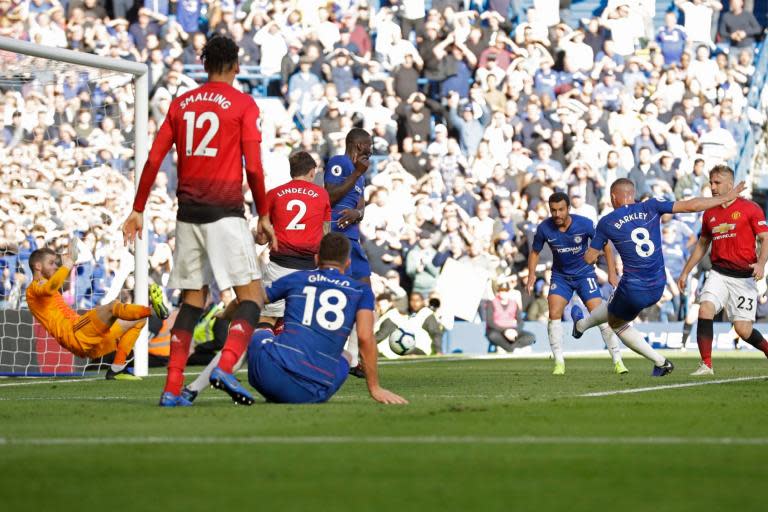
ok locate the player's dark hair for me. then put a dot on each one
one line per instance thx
(356, 136)
(334, 248)
(219, 54)
(38, 256)
(559, 196)
(301, 164)
(722, 169)
(622, 182)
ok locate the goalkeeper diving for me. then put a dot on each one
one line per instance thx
(112, 327)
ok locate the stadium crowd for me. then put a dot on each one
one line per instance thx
(477, 116)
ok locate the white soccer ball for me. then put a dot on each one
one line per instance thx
(401, 341)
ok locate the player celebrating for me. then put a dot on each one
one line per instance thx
(568, 236)
(345, 183)
(634, 228)
(300, 213)
(109, 328)
(213, 127)
(732, 228)
(309, 365)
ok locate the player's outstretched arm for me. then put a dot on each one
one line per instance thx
(698, 252)
(368, 355)
(162, 144)
(699, 204)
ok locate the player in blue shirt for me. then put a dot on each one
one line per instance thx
(568, 237)
(634, 228)
(345, 183)
(306, 363)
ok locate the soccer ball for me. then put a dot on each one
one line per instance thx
(401, 341)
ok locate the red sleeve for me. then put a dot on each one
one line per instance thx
(254, 173)
(757, 220)
(705, 228)
(162, 144)
(251, 122)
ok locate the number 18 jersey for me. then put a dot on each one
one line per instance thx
(320, 310)
(635, 230)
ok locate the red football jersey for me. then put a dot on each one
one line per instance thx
(210, 126)
(298, 210)
(733, 231)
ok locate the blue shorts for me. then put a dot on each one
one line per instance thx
(585, 286)
(276, 384)
(360, 267)
(626, 303)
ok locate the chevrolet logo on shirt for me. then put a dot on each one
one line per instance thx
(723, 228)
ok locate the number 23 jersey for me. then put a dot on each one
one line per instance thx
(635, 230)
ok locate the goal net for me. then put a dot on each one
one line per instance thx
(71, 140)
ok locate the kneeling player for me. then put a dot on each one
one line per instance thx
(110, 328)
(306, 363)
(568, 236)
(635, 230)
(732, 229)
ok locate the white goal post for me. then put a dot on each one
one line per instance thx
(141, 87)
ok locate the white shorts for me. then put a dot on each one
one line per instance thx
(738, 295)
(223, 250)
(272, 273)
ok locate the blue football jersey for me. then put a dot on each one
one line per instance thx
(568, 247)
(320, 310)
(635, 231)
(336, 172)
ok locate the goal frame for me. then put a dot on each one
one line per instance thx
(139, 72)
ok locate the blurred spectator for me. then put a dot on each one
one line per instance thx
(503, 317)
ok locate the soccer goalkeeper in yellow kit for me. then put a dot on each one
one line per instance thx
(109, 328)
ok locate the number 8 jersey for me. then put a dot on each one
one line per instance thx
(320, 310)
(635, 230)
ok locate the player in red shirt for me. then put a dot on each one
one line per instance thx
(214, 127)
(732, 229)
(300, 213)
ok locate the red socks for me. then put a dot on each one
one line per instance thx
(704, 335)
(240, 332)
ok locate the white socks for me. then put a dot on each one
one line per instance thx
(611, 341)
(117, 368)
(555, 330)
(634, 340)
(598, 316)
(353, 348)
(203, 380)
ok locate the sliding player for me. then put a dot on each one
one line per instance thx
(732, 228)
(109, 328)
(306, 363)
(568, 236)
(214, 127)
(345, 183)
(634, 228)
(300, 213)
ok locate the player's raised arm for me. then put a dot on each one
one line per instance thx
(358, 144)
(597, 245)
(368, 354)
(699, 204)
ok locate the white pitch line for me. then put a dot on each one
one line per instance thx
(670, 386)
(381, 440)
(38, 382)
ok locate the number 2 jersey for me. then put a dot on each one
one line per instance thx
(298, 210)
(337, 171)
(213, 127)
(635, 230)
(320, 310)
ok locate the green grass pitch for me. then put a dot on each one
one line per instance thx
(478, 435)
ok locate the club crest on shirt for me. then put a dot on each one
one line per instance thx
(577, 239)
(736, 215)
